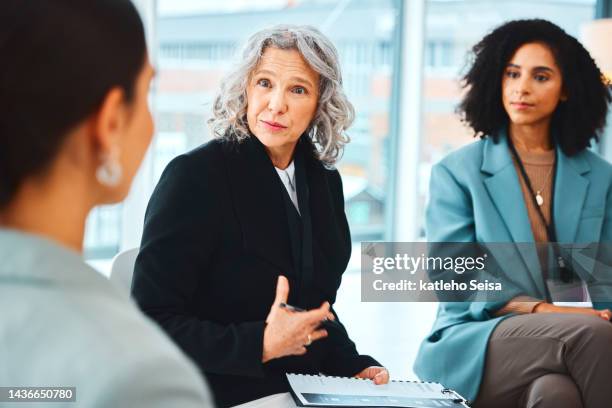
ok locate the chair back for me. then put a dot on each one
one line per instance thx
(122, 268)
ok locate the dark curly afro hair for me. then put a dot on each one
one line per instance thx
(575, 122)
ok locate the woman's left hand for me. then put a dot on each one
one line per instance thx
(380, 375)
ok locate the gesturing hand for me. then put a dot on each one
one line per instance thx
(288, 333)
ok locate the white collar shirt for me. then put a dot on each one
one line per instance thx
(287, 176)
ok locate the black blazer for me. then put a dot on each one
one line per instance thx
(216, 238)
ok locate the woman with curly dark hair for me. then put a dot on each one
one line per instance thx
(536, 99)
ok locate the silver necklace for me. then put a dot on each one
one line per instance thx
(538, 195)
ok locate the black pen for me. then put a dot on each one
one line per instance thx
(325, 322)
(291, 308)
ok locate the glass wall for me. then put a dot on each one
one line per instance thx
(103, 232)
(198, 42)
(197, 49)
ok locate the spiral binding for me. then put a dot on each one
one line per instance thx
(358, 378)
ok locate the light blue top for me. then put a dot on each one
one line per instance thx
(64, 324)
(475, 196)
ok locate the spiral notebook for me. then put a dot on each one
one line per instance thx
(322, 391)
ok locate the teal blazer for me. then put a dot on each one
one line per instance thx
(475, 196)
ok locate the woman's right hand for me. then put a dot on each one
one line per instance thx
(288, 333)
(550, 308)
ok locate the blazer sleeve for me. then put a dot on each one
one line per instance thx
(606, 232)
(604, 257)
(450, 218)
(178, 246)
(342, 358)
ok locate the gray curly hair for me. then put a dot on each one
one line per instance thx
(335, 113)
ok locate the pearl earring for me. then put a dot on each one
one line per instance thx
(109, 172)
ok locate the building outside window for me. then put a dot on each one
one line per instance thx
(196, 43)
(195, 49)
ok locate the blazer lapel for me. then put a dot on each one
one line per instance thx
(570, 194)
(331, 240)
(257, 198)
(505, 191)
(504, 187)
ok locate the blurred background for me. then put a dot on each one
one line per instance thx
(401, 61)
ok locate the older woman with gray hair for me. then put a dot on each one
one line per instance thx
(237, 222)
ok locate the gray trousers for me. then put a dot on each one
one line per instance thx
(548, 360)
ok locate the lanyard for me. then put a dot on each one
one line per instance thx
(551, 233)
